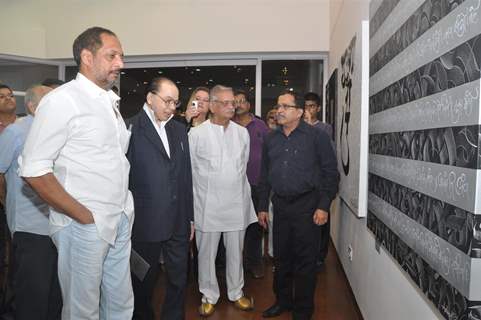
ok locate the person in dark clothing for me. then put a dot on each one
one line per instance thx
(257, 131)
(312, 107)
(161, 183)
(299, 166)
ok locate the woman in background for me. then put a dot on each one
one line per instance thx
(196, 115)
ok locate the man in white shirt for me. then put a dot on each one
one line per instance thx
(74, 157)
(219, 151)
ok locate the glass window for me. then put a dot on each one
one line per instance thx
(301, 76)
(20, 75)
(133, 83)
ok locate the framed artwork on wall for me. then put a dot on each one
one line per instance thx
(331, 101)
(352, 121)
(424, 139)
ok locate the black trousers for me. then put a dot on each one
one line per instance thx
(253, 237)
(36, 286)
(175, 252)
(296, 248)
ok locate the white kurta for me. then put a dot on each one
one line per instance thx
(222, 195)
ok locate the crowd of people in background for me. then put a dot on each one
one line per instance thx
(93, 201)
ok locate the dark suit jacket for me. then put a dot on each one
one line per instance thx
(161, 186)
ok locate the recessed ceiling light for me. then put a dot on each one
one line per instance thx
(160, 72)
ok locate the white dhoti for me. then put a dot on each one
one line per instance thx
(207, 244)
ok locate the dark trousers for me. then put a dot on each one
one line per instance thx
(253, 237)
(296, 247)
(36, 286)
(324, 243)
(175, 252)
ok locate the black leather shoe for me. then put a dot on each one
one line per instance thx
(274, 311)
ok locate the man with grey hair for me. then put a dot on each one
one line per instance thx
(36, 288)
(219, 151)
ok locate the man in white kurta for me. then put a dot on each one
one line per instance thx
(222, 203)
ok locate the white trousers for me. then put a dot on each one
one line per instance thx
(207, 244)
(94, 276)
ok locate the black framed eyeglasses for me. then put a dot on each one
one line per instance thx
(284, 106)
(168, 102)
(239, 102)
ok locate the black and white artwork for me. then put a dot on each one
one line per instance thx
(331, 102)
(424, 206)
(351, 123)
(347, 73)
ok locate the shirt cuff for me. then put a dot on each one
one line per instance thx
(324, 203)
(263, 206)
(36, 169)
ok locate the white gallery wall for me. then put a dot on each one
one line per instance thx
(382, 290)
(46, 29)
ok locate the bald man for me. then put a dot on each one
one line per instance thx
(37, 292)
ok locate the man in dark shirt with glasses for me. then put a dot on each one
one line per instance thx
(299, 166)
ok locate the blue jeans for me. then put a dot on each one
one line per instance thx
(94, 275)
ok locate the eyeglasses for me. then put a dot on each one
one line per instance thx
(239, 102)
(168, 102)
(225, 103)
(5, 96)
(284, 106)
(311, 105)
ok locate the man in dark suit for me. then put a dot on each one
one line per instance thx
(161, 183)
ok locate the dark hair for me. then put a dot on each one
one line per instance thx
(297, 99)
(244, 93)
(4, 86)
(312, 96)
(89, 40)
(52, 82)
(155, 83)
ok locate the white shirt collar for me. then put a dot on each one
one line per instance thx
(94, 90)
(151, 115)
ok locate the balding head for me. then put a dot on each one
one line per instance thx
(33, 96)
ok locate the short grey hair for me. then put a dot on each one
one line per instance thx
(218, 89)
(32, 96)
